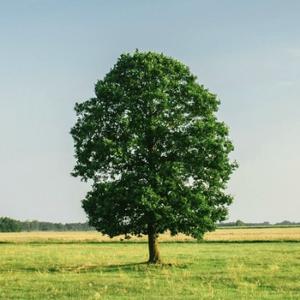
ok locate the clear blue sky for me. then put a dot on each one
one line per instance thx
(52, 53)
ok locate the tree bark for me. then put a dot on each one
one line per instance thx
(154, 256)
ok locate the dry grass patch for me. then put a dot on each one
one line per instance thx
(239, 234)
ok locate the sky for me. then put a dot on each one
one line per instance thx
(53, 52)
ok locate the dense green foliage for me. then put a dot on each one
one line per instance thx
(153, 149)
(9, 225)
(113, 271)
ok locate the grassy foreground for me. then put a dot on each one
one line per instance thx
(115, 270)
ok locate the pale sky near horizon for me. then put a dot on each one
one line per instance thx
(53, 52)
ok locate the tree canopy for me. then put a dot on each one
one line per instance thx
(9, 225)
(152, 147)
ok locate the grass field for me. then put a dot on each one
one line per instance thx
(78, 266)
(227, 234)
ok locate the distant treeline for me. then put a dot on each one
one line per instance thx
(240, 223)
(11, 225)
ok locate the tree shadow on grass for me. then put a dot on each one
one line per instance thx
(129, 267)
(142, 266)
(86, 268)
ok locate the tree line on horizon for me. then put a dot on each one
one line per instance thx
(11, 225)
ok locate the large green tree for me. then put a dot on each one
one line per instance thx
(154, 151)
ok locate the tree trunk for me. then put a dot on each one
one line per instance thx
(154, 256)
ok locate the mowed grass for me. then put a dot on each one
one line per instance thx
(76, 269)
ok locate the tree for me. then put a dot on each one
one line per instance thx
(239, 223)
(154, 151)
(9, 225)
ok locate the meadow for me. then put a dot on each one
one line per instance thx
(251, 263)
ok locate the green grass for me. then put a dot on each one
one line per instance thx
(116, 271)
